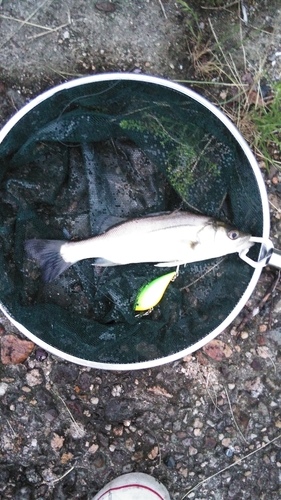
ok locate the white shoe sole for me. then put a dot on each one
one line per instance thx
(133, 486)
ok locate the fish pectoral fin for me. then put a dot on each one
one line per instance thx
(100, 261)
(174, 263)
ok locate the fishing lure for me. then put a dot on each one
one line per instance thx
(151, 294)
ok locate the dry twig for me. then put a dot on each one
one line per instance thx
(238, 462)
(23, 23)
(163, 10)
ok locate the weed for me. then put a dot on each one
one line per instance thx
(267, 125)
(256, 117)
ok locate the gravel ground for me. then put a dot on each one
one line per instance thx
(211, 419)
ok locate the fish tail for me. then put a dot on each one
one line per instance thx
(48, 255)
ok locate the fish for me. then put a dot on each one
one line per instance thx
(150, 294)
(163, 239)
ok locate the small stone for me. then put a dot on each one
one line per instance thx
(130, 445)
(256, 364)
(169, 461)
(77, 430)
(217, 350)
(117, 390)
(34, 377)
(263, 328)
(94, 400)
(255, 386)
(263, 352)
(14, 350)
(66, 457)
(105, 6)
(244, 335)
(229, 453)
(153, 453)
(192, 451)
(41, 354)
(118, 430)
(184, 473)
(93, 448)
(25, 388)
(3, 388)
(84, 381)
(197, 432)
(226, 442)
(198, 424)
(57, 442)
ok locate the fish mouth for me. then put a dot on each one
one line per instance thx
(245, 243)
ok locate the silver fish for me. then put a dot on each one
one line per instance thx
(167, 239)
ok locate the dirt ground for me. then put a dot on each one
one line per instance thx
(211, 419)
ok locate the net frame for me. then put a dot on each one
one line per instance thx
(252, 165)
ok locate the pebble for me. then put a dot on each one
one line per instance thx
(105, 6)
(94, 400)
(263, 352)
(117, 390)
(40, 354)
(244, 335)
(192, 451)
(118, 430)
(15, 350)
(93, 448)
(226, 442)
(229, 453)
(169, 461)
(34, 377)
(256, 364)
(153, 453)
(3, 388)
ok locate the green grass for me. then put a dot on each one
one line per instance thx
(258, 119)
(267, 128)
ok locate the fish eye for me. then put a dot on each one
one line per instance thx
(233, 234)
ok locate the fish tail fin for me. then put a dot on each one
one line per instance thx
(48, 255)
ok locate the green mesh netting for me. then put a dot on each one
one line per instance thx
(98, 153)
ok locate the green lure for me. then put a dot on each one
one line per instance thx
(150, 294)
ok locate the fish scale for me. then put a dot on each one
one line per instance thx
(168, 239)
